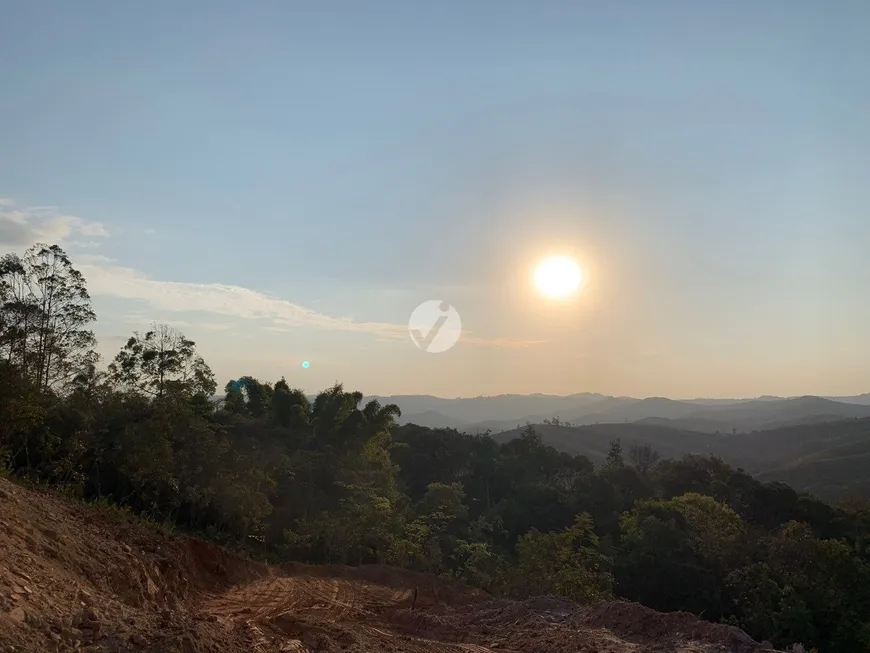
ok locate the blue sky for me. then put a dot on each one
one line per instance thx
(255, 172)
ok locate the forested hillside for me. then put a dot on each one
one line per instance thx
(336, 480)
(827, 459)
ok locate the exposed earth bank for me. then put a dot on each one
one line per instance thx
(77, 578)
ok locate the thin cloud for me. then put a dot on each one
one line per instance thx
(220, 299)
(90, 229)
(216, 326)
(20, 227)
(94, 259)
(500, 343)
(110, 280)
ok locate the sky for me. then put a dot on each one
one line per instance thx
(286, 181)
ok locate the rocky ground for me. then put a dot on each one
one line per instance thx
(77, 578)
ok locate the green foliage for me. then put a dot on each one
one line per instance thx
(643, 457)
(475, 563)
(614, 455)
(656, 564)
(160, 363)
(714, 528)
(565, 563)
(44, 319)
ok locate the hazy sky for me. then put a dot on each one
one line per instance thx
(286, 181)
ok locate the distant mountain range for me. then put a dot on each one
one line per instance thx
(507, 412)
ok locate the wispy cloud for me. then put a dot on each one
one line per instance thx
(94, 260)
(144, 320)
(20, 227)
(106, 278)
(218, 299)
(216, 326)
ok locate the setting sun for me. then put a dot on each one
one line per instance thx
(557, 277)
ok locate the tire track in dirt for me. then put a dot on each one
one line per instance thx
(415, 644)
(284, 612)
(331, 599)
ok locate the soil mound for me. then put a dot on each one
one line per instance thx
(633, 621)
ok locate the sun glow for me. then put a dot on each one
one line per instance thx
(558, 277)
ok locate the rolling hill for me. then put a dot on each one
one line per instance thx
(826, 459)
(593, 441)
(431, 419)
(839, 470)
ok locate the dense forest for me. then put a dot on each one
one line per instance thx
(336, 480)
